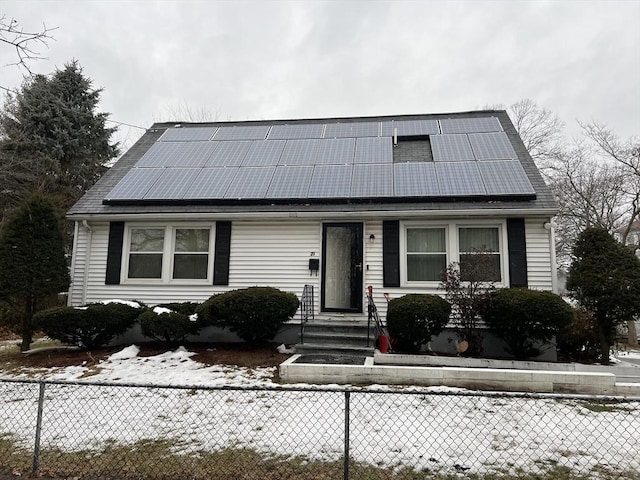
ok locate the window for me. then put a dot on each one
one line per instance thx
(191, 253)
(145, 257)
(426, 254)
(169, 253)
(427, 248)
(480, 253)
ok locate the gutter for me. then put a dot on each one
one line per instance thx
(501, 212)
(87, 256)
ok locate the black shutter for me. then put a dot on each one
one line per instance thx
(391, 253)
(222, 253)
(114, 253)
(517, 252)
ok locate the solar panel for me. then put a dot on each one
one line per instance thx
(374, 150)
(187, 134)
(212, 183)
(177, 154)
(372, 181)
(470, 125)
(451, 148)
(228, 154)
(173, 184)
(492, 146)
(250, 182)
(415, 180)
(459, 178)
(331, 181)
(290, 182)
(135, 184)
(335, 151)
(297, 131)
(248, 132)
(352, 130)
(263, 153)
(410, 128)
(299, 152)
(505, 177)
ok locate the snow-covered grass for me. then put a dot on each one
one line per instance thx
(437, 429)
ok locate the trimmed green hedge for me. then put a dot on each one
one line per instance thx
(171, 327)
(413, 319)
(255, 314)
(89, 327)
(523, 318)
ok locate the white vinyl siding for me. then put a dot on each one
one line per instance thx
(539, 268)
(277, 253)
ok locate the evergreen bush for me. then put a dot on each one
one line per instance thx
(255, 314)
(173, 327)
(524, 318)
(413, 319)
(89, 327)
(580, 340)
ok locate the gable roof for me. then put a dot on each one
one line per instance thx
(459, 161)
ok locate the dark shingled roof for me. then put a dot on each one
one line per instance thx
(91, 204)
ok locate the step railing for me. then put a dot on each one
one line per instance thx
(306, 309)
(373, 318)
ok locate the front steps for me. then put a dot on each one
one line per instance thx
(331, 336)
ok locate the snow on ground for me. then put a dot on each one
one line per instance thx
(389, 426)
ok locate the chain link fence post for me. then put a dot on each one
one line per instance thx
(347, 408)
(36, 447)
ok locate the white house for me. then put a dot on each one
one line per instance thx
(336, 203)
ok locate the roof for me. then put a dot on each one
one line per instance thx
(439, 162)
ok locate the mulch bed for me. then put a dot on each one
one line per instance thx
(208, 354)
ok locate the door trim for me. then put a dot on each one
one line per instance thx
(357, 289)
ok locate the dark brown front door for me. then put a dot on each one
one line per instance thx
(342, 267)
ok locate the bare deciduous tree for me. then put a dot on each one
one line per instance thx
(26, 44)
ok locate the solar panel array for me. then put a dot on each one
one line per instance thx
(349, 160)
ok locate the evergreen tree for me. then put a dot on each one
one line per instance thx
(52, 139)
(605, 280)
(32, 263)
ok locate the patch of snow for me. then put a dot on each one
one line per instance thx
(161, 310)
(125, 354)
(194, 317)
(125, 302)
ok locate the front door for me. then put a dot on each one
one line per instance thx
(342, 267)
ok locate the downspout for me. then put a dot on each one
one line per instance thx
(72, 268)
(87, 256)
(552, 251)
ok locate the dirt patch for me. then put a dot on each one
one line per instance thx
(208, 354)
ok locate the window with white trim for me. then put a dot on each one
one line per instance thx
(168, 253)
(479, 249)
(428, 247)
(426, 254)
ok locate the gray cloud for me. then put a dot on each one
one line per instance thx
(302, 59)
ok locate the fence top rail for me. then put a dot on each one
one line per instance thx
(332, 389)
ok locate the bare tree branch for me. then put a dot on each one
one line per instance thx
(27, 44)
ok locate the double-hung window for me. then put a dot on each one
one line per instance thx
(169, 253)
(428, 248)
(480, 257)
(426, 254)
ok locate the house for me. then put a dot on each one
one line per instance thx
(336, 203)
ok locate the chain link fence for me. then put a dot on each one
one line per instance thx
(108, 431)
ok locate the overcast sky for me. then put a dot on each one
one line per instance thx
(245, 60)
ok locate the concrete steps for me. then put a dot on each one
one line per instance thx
(330, 336)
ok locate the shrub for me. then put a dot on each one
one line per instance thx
(523, 317)
(90, 327)
(413, 319)
(186, 308)
(171, 327)
(580, 340)
(255, 314)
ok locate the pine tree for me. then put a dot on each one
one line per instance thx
(605, 280)
(32, 263)
(52, 139)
